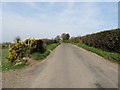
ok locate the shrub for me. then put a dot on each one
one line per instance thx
(17, 51)
(35, 45)
(76, 39)
(57, 39)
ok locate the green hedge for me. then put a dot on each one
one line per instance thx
(106, 40)
(35, 45)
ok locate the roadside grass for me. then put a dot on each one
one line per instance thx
(41, 56)
(107, 55)
(52, 46)
(7, 66)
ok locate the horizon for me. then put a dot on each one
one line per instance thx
(49, 19)
(58, 35)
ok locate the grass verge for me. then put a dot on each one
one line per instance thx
(40, 56)
(107, 55)
(52, 46)
(7, 66)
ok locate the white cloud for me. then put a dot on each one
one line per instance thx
(81, 20)
(76, 21)
(15, 25)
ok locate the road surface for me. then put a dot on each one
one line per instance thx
(66, 67)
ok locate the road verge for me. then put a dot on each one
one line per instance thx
(107, 55)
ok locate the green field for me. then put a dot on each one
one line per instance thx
(4, 54)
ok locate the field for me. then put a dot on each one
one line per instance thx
(4, 53)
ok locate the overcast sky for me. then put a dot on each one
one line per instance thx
(49, 19)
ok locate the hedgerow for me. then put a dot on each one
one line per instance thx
(106, 40)
(35, 45)
(48, 41)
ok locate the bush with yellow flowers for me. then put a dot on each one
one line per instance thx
(22, 49)
(17, 51)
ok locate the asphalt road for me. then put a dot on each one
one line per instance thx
(66, 67)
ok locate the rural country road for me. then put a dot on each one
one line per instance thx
(66, 67)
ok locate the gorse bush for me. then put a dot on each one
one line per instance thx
(35, 45)
(23, 49)
(106, 40)
(18, 51)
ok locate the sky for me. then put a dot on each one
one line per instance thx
(49, 19)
